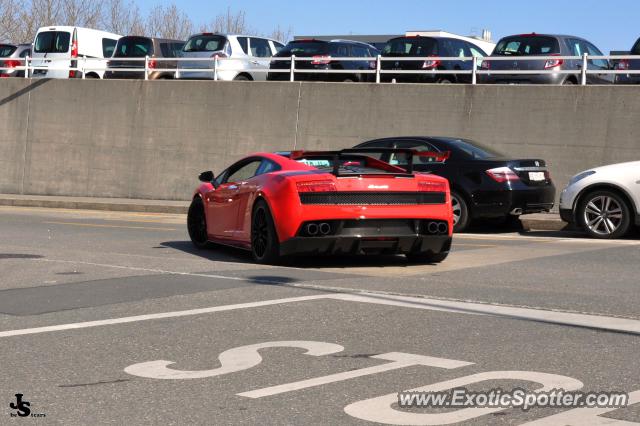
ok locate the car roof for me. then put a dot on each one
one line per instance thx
(153, 38)
(543, 35)
(230, 35)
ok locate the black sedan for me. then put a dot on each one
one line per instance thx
(484, 183)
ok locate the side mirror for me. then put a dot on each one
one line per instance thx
(206, 176)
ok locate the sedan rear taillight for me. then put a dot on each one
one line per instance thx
(321, 60)
(12, 63)
(316, 186)
(431, 64)
(428, 186)
(502, 174)
(623, 65)
(552, 63)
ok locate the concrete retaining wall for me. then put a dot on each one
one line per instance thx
(137, 139)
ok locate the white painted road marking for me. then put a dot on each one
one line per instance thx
(398, 360)
(231, 361)
(380, 409)
(162, 315)
(460, 307)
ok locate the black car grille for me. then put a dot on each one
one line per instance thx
(372, 198)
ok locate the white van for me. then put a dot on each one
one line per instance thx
(74, 44)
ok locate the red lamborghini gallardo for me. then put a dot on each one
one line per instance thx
(326, 202)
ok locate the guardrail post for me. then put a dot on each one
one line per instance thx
(84, 66)
(474, 69)
(292, 71)
(26, 66)
(378, 67)
(146, 67)
(215, 68)
(583, 72)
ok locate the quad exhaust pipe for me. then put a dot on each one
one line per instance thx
(314, 229)
(436, 228)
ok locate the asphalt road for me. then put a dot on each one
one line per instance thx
(113, 318)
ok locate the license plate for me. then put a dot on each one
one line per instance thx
(537, 176)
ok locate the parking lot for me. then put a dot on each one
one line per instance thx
(114, 317)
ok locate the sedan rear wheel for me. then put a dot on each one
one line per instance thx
(197, 224)
(265, 246)
(604, 214)
(460, 212)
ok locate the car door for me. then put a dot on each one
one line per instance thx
(246, 196)
(223, 202)
(260, 52)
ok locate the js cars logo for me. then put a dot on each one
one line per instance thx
(21, 406)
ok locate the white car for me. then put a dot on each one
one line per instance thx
(57, 51)
(240, 57)
(604, 201)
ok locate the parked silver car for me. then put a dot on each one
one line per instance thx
(517, 47)
(241, 57)
(12, 56)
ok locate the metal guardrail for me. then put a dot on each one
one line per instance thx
(84, 65)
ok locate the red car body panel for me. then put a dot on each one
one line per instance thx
(228, 208)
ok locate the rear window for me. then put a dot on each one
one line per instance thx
(304, 49)
(411, 46)
(475, 150)
(52, 42)
(527, 45)
(205, 43)
(171, 50)
(6, 50)
(133, 47)
(635, 50)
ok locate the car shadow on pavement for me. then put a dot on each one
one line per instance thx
(216, 253)
(219, 253)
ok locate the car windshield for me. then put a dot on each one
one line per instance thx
(133, 47)
(527, 45)
(52, 42)
(474, 150)
(635, 50)
(205, 43)
(304, 49)
(6, 50)
(411, 46)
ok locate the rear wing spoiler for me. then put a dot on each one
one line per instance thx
(439, 157)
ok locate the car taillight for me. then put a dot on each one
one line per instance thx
(485, 65)
(320, 60)
(552, 63)
(623, 65)
(430, 63)
(74, 53)
(316, 186)
(152, 63)
(428, 186)
(502, 174)
(11, 64)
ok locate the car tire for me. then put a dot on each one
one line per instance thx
(568, 82)
(604, 214)
(427, 257)
(241, 78)
(265, 247)
(197, 224)
(445, 81)
(460, 212)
